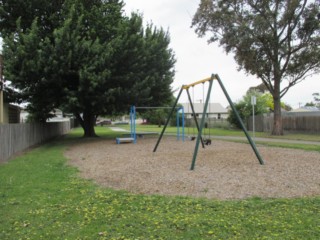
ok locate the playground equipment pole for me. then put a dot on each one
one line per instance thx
(253, 102)
(201, 124)
(178, 123)
(183, 123)
(133, 123)
(133, 117)
(239, 119)
(194, 115)
(168, 119)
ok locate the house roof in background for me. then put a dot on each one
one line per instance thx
(198, 108)
(306, 109)
(14, 106)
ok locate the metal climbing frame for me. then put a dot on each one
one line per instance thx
(200, 127)
(180, 127)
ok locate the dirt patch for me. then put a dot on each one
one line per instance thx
(224, 170)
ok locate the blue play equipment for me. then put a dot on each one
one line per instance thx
(133, 116)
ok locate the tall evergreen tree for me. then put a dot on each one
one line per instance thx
(96, 62)
(47, 12)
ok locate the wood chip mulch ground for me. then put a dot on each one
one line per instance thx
(224, 170)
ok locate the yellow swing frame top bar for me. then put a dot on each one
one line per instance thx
(185, 87)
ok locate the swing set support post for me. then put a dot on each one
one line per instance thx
(199, 137)
(195, 153)
(133, 123)
(194, 115)
(168, 120)
(178, 123)
(254, 148)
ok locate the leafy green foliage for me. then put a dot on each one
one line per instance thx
(316, 102)
(27, 75)
(244, 107)
(156, 116)
(11, 95)
(277, 41)
(94, 61)
(26, 11)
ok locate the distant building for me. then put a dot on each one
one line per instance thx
(11, 113)
(58, 116)
(214, 111)
(304, 111)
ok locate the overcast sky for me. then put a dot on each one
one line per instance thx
(197, 60)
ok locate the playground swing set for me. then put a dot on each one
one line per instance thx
(202, 122)
(199, 127)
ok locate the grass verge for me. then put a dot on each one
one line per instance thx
(227, 132)
(43, 198)
(306, 147)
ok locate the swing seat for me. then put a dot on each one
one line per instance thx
(124, 140)
(207, 141)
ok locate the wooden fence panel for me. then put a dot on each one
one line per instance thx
(264, 123)
(15, 138)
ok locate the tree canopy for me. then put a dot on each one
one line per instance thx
(27, 10)
(277, 41)
(92, 61)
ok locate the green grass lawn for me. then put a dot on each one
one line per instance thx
(226, 132)
(188, 131)
(43, 198)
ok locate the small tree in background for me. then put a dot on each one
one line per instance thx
(316, 97)
(316, 103)
(157, 116)
(244, 107)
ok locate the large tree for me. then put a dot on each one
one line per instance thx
(96, 62)
(277, 41)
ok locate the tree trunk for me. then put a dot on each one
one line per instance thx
(277, 119)
(87, 122)
(89, 127)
